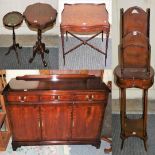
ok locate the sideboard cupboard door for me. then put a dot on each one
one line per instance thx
(25, 122)
(56, 121)
(87, 121)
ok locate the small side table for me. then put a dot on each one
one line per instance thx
(84, 19)
(40, 16)
(13, 20)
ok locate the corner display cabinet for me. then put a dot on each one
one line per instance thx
(134, 70)
(56, 109)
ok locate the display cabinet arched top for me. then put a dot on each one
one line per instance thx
(135, 19)
(134, 39)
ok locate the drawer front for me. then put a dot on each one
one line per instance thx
(22, 98)
(56, 98)
(91, 97)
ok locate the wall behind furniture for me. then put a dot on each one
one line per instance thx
(20, 5)
(117, 4)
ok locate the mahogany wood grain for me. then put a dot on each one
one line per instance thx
(84, 19)
(56, 121)
(86, 121)
(134, 70)
(98, 73)
(135, 49)
(66, 111)
(24, 122)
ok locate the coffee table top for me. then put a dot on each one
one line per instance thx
(84, 14)
(13, 19)
(40, 15)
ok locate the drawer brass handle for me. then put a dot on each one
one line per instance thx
(56, 97)
(22, 99)
(39, 123)
(90, 97)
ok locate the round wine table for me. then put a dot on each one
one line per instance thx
(13, 20)
(40, 16)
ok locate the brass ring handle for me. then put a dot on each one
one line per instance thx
(90, 98)
(22, 99)
(87, 96)
(56, 97)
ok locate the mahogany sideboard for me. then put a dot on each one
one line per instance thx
(56, 109)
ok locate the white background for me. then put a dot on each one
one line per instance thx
(20, 5)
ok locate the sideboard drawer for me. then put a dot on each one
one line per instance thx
(22, 98)
(90, 96)
(56, 97)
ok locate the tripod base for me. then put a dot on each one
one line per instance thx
(14, 47)
(40, 49)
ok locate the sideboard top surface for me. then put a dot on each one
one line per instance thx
(84, 84)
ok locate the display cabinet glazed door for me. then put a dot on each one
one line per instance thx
(87, 119)
(56, 121)
(25, 122)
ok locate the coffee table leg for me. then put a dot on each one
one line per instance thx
(106, 47)
(62, 40)
(102, 36)
(66, 36)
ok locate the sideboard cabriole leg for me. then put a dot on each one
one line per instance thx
(15, 146)
(97, 144)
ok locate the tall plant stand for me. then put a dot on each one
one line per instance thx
(133, 127)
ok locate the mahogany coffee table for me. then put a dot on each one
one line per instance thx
(40, 16)
(13, 20)
(84, 19)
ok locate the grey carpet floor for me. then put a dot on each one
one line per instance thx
(85, 57)
(57, 150)
(132, 145)
(10, 61)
